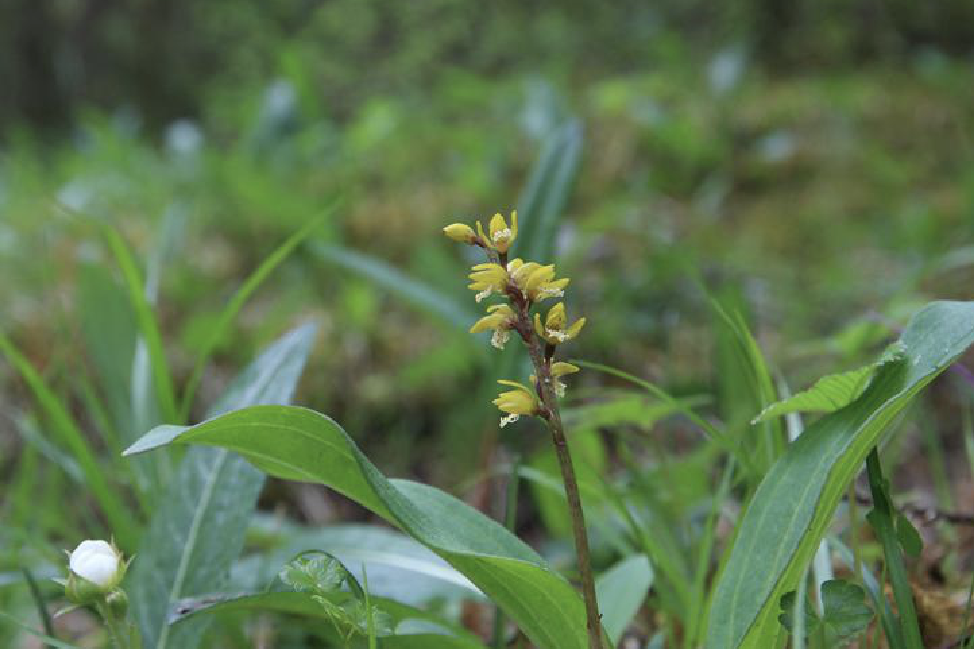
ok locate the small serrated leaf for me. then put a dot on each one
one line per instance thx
(833, 391)
(846, 611)
(321, 573)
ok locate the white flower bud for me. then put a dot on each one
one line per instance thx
(97, 562)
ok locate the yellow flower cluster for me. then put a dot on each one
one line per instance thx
(523, 285)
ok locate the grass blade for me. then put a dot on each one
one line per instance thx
(63, 425)
(251, 284)
(408, 288)
(148, 327)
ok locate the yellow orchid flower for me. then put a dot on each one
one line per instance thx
(488, 278)
(555, 330)
(501, 319)
(502, 235)
(517, 402)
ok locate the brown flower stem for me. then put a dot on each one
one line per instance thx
(545, 387)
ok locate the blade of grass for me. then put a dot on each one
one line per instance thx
(54, 642)
(230, 311)
(698, 589)
(410, 289)
(149, 328)
(881, 518)
(115, 511)
(676, 404)
(39, 602)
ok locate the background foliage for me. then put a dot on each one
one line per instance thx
(810, 163)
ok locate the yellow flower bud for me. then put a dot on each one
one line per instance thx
(460, 232)
(517, 402)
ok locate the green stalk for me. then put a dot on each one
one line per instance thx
(881, 519)
(552, 415)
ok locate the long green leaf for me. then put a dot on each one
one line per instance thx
(149, 328)
(199, 527)
(230, 311)
(547, 190)
(300, 444)
(792, 508)
(412, 290)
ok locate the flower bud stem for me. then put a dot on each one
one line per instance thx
(112, 625)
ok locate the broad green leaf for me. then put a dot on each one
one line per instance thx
(293, 603)
(791, 509)
(621, 591)
(300, 444)
(198, 529)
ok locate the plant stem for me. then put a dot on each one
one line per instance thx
(545, 387)
(111, 624)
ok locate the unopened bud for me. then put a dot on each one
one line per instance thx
(460, 232)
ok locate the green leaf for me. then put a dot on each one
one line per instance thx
(791, 509)
(198, 529)
(908, 536)
(408, 288)
(148, 327)
(64, 427)
(845, 613)
(321, 572)
(294, 603)
(621, 590)
(300, 444)
(227, 315)
(830, 392)
(399, 568)
(546, 192)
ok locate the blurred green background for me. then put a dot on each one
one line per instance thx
(811, 163)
